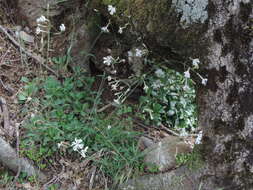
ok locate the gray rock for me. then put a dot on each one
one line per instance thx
(30, 10)
(25, 37)
(163, 154)
(145, 142)
(180, 179)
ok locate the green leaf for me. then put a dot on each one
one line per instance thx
(22, 97)
(24, 79)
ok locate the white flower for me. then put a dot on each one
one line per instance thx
(117, 101)
(59, 144)
(84, 151)
(157, 84)
(173, 104)
(114, 72)
(150, 113)
(62, 28)
(105, 29)
(77, 144)
(38, 30)
(41, 19)
(130, 54)
(109, 78)
(183, 132)
(114, 87)
(199, 138)
(145, 87)
(17, 125)
(109, 127)
(204, 81)
(195, 63)
(138, 52)
(171, 112)
(186, 87)
(32, 115)
(187, 74)
(159, 73)
(122, 60)
(108, 60)
(120, 30)
(111, 9)
(29, 99)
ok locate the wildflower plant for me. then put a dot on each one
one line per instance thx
(169, 99)
(121, 88)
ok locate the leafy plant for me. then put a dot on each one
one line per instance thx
(65, 112)
(169, 99)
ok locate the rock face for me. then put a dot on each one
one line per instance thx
(163, 154)
(84, 31)
(179, 179)
(30, 10)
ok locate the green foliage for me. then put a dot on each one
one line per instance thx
(66, 110)
(152, 167)
(6, 178)
(193, 160)
(29, 90)
(168, 101)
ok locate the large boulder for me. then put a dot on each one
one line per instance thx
(163, 154)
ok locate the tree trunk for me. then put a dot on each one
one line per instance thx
(226, 104)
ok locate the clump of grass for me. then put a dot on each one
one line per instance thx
(192, 160)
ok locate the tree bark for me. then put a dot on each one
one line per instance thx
(226, 104)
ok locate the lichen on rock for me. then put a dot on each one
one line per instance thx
(192, 11)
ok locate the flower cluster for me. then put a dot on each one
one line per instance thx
(160, 73)
(112, 10)
(187, 75)
(43, 25)
(199, 138)
(120, 88)
(77, 146)
(41, 19)
(136, 53)
(109, 60)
